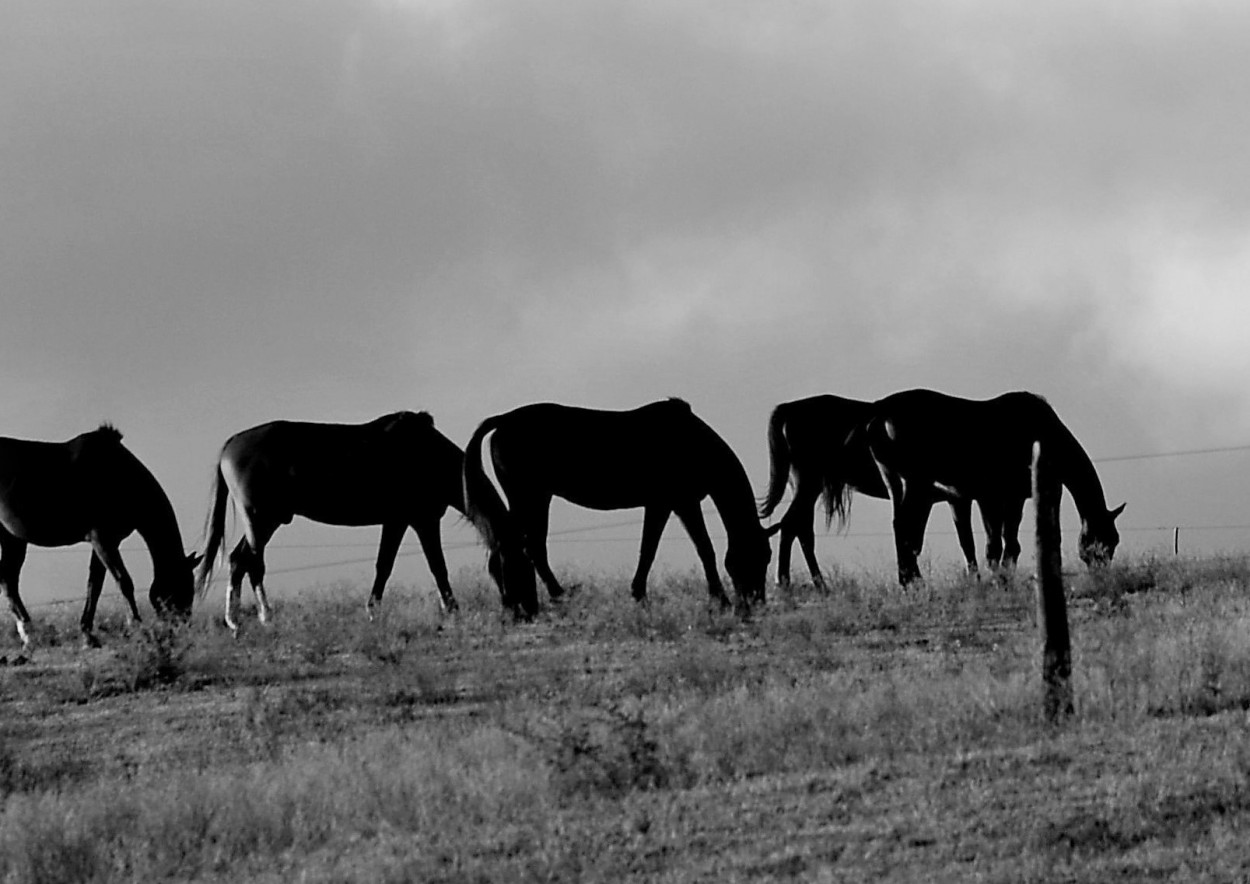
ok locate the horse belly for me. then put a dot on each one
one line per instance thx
(346, 510)
(618, 489)
(43, 526)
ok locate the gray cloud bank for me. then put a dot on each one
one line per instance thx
(333, 208)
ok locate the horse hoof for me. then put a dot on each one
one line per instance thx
(19, 660)
(90, 642)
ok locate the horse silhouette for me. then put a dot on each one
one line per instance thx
(812, 443)
(660, 457)
(930, 446)
(89, 489)
(396, 471)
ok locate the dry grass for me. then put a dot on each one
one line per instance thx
(869, 732)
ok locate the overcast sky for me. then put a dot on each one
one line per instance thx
(213, 214)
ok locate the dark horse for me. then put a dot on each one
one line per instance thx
(660, 457)
(812, 442)
(396, 471)
(930, 446)
(91, 489)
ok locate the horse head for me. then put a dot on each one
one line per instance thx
(747, 564)
(513, 573)
(1099, 538)
(173, 591)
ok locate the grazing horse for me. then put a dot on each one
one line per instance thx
(660, 457)
(930, 446)
(90, 488)
(812, 442)
(396, 471)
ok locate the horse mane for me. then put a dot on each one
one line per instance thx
(106, 430)
(396, 418)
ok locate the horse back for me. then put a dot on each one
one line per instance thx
(606, 459)
(965, 447)
(56, 493)
(349, 474)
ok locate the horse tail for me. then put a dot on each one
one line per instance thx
(485, 509)
(835, 491)
(779, 462)
(836, 494)
(482, 503)
(214, 530)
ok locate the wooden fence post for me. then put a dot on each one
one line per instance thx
(1051, 607)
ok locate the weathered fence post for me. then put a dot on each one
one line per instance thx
(1051, 607)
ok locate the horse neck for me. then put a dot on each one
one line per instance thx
(156, 523)
(731, 492)
(1079, 475)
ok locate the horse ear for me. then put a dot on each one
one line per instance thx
(1116, 512)
(772, 529)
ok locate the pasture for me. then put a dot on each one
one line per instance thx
(866, 732)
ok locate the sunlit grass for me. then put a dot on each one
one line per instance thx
(473, 736)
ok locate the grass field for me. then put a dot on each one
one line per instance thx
(867, 733)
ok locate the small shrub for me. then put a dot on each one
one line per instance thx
(154, 655)
(603, 750)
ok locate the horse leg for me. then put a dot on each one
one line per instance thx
(692, 517)
(1012, 514)
(257, 576)
(802, 516)
(392, 536)
(12, 555)
(109, 555)
(430, 535)
(533, 516)
(918, 519)
(992, 518)
(961, 512)
(807, 543)
(908, 570)
(95, 583)
(654, 519)
(240, 562)
(784, 543)
(910, 518)
(789, 532)
(910, 515)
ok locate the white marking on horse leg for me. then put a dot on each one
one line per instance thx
(232, 605)
(23, 634)
(262, 602)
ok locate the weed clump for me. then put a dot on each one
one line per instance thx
(605, 750)
(154, 656)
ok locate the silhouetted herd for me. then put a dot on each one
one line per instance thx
(916, 448)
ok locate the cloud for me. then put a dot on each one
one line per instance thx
(293, 198)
